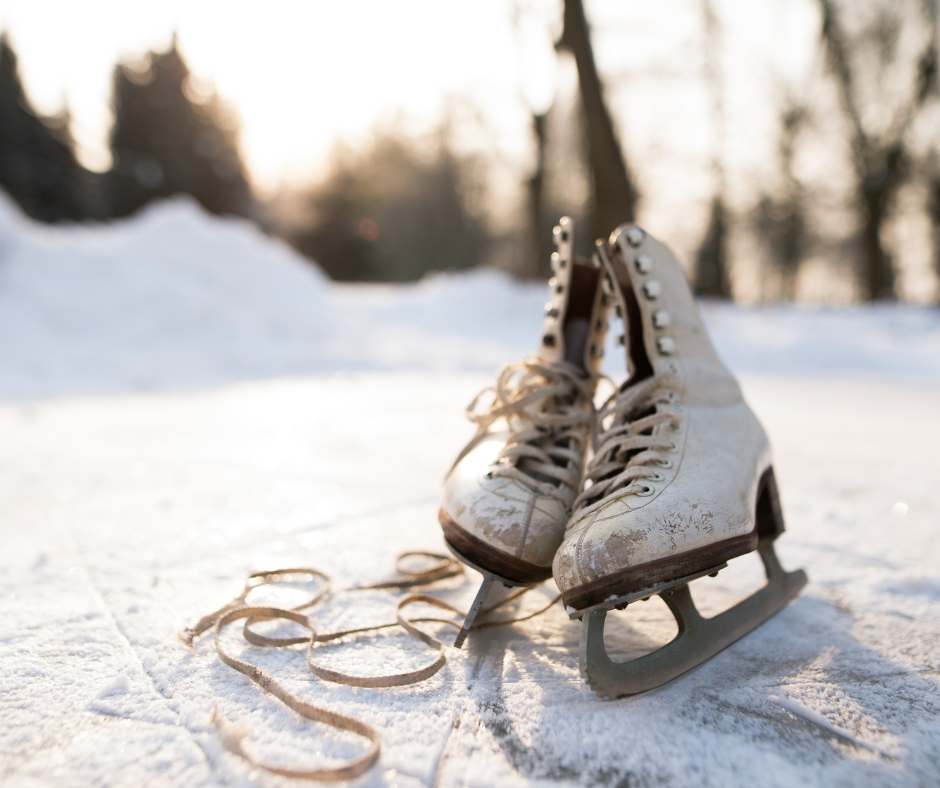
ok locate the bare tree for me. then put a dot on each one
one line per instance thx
(880, 152)
(711, 260)
(932, 169)
(781, 221)
(615, 195)
(933, 211)
(540, 241)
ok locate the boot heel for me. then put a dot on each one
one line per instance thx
(769, 514)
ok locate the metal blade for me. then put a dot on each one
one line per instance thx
(475, 608)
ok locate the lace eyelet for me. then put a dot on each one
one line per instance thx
(673, 447)
(658, 477)
(488, 475)
(664, 463)
(645, 492)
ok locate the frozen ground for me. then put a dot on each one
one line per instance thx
(182, 402)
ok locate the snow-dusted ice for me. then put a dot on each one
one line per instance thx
(183, 401)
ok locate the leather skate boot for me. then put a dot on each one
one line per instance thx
(509, 494)
(679, 483)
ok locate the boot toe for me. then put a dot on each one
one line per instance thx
(504, 516)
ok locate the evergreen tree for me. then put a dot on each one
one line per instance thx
(164, 142)
(37, 160)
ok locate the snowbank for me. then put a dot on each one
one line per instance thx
(176, 298)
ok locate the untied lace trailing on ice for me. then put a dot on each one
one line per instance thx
(443, 567)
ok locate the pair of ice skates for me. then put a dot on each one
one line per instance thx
(665, 483)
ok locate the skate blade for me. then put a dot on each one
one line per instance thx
(698, 640)
(490, 584)
(475, 609)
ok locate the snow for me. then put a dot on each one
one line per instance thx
(172, 299)
(183, 401)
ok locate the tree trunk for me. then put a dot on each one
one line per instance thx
(540, 247)
(879, 162)
(711, 265)
(933, 207)
(877, 271)
(615, 196)
(879, 180)
(711, 278)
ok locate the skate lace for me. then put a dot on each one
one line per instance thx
(440, 567)
(624, 448)
(547, 406)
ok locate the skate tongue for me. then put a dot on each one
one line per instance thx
(576, 328)
(576, 332)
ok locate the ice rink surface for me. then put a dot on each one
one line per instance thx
(142, 481)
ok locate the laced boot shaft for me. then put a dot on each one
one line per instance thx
(509, 494)
(628, 448)
(547, 409)
(671, 485)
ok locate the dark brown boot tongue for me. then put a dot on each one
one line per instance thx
(577, 328)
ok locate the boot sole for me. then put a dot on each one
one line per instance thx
(769, 525)
(478, 552)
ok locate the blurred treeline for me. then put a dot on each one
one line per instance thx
(392, 212)
(167, 138)
(401, 205)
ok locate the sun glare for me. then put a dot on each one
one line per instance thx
(299, 75)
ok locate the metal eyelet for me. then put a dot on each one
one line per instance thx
(646, 491)
(658, 477)
(643, 263)
(673, 447)
(666, 345)
(664, 464)
(652, 289)
(634, 236)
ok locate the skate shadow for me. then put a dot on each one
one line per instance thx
(773, 690)
(541, 656)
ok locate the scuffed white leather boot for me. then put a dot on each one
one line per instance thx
(509, 494)
(679, 483)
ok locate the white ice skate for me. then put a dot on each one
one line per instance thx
(509, 494)
(679, 483)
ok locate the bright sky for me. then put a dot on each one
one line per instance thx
(303, 75)
(300, 74)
